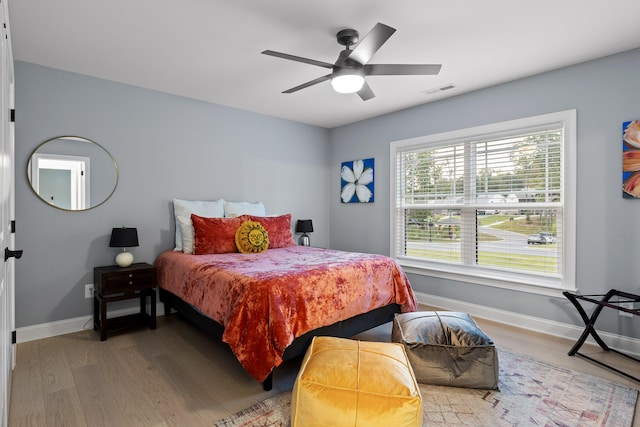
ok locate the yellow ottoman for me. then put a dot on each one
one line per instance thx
(349, 383)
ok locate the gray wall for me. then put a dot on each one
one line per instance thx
(605, 93)
(166, 147)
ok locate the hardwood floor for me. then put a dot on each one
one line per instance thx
(176, 376)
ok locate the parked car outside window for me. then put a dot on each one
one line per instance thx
(542, 238)
(535, 239)
(549, 237)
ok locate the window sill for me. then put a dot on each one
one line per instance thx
(521, 283)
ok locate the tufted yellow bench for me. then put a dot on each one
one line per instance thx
(349, 383)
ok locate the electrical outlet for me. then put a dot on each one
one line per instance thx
(628, 305)
(88, 290)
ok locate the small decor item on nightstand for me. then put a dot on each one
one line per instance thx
(124, 238)
(304, 226)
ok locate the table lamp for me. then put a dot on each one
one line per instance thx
(124, 237)
(304, 226)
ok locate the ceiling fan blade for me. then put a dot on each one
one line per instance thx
(401, 69)
(309, 83)
(370, 44)
(297, 58)
(366, 93)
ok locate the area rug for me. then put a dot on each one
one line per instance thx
(532, 393)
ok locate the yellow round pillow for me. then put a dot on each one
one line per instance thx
(251, 237)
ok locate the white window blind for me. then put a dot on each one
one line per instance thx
(488, 201)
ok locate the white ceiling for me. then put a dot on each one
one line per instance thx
(210, 49)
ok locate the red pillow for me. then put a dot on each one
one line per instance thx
(215, 235)
(278, 228)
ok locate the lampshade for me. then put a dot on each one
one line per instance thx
(347, 80)
(124, 237)
(304, 226)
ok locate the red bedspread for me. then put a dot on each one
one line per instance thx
(266, 300)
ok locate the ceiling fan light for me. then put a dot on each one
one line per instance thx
(347, 80)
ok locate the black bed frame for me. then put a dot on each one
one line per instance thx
(342, 329)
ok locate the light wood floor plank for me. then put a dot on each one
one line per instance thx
(96, 397)
(178, 376)
(54, 367)
(81, 349)
(27, 393)
(63, 409)
(34, 419)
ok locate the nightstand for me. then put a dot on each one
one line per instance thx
(114, 283)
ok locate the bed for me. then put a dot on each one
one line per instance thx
(267, 306)
(238, 274)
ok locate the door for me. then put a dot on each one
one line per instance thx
(61, 179)
(7, 240)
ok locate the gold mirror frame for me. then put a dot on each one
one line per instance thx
(91, 170)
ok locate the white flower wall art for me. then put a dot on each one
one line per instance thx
(356, 181)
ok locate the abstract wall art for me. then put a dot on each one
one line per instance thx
(631, 159)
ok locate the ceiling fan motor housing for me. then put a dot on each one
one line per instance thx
(348, 37)
(344, 61)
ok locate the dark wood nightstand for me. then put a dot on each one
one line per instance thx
(113, 283)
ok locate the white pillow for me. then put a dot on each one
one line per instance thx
(234, 209)
(184, 209)
(188, 235)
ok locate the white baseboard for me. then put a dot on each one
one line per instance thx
(536, 324)
(67, 326)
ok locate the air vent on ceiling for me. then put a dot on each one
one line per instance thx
(439, 89)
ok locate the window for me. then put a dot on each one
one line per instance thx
(493, 204)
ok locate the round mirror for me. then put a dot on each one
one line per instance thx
(72, 173)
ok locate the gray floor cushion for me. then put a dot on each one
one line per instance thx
(447, 348)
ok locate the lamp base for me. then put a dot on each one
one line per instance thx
(304, 240)
(124, 259)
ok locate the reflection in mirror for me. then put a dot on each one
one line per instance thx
(72, 173)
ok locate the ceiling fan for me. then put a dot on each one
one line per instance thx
(348, 72)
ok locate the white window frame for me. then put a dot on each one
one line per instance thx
(520, 281)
